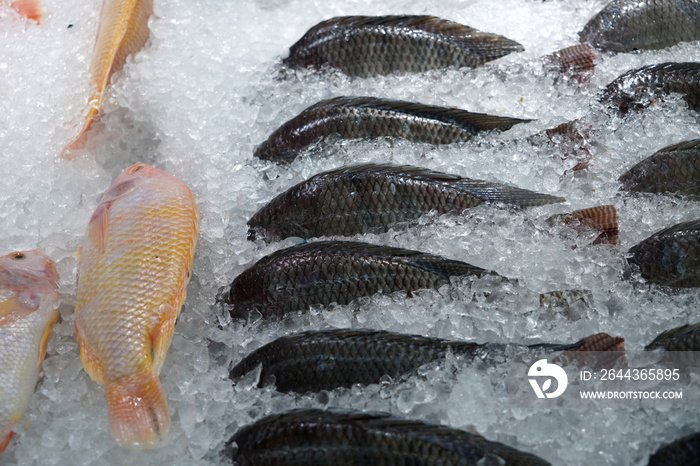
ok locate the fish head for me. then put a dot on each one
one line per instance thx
(28, 271)
(247, 295)
(130, 179)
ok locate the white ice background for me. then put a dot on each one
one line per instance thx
(197, 100)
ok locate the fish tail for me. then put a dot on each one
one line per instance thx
(5, 441)
(138, 410)
(32, 9)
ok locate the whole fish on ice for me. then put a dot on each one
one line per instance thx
(371, 118)
(347, 437)
(328, 359)
(380, 45)
(374, 197)
(28, 309)
(134, 266)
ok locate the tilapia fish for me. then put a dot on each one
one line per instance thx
(345, 437)
(328, 359)
(627, 25)
(637, 89)
(380, 45)
(325, 272)
(674, 169)
(682, 452)
(670, 257)
(374, 197)
(685, 338)
(371, 118)
(123, 30)
(28, 309)
(134, 266)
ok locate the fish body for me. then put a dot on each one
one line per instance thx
(123, 30)
(674, 169)
(639, 88)
(380, 45)
(328, 359)
(134, 266)
(371, 118)
(325, 272)
(317, 437)
(628, 25)
(29, 301)
(670, 257)
(685, 338)
(682, 452)
(372, 198)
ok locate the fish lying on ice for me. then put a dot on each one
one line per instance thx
(134, 266)
(600, 218)
(685, 338)
(639, 88)
(314, 436)
(32, 9)
(28, 309)
(325, 272)
(328, 359)
(374, 197)
(380, 45)
(682, 452)
(674, 169)
(628, 25)
(371, 118)
(123, 30)
(670, 257)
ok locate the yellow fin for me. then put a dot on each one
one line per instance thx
(45, 342)
(161, 337)
(91, 363)
(8, 307)
(97, 228)
(14, 309)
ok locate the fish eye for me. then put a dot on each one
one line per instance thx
(19, 256)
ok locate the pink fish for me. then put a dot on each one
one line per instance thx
(32, 9)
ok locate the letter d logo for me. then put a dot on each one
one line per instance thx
(543, 369)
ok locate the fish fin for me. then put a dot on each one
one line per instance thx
(32, 9)
(161, 337)
(91, 363)
(4, 442)
(45, 342)
(138, 410)
(603, 218)
(73, 149)
(14, 309)
(97, 228)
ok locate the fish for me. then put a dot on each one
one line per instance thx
(629, 25)
(600, 218)
(371, 118)
(327, 359)
(123, 31)
(639, 88)
(577, 61)
(682, 452)
(684, 338)
(31, 9)
(29, 300)
(372, 198)
(324, 272)
(134, 266)
(674, 170)
(670, 257)
(337, 436)
(364, 46)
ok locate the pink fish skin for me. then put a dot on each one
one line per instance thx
(32, 9)
(29, 301)
(134, 266)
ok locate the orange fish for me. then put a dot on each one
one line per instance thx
(123, 30)
(28, 309)
(134, 266)
(30, 8)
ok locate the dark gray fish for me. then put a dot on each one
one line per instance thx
(637, 89)
(371, 118)
(674, 169)
(325, 272)
(602, 218)
(316, 437)
(374, 197)
(577, 61)
(380, 45)
(670, 257)
(683, 452)
(628, 25)
(685, 338)
(328, 359)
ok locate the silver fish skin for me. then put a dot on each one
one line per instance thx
(639, 88)
(371, 118)
(685, 338)
(325, 272)
(682, 452)
(372, 198)
(628, 25)
(674, 170)
(670, 257)
(348, 437)
(364, 46)
(327, 359)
